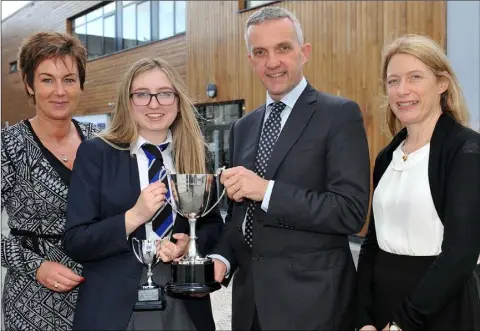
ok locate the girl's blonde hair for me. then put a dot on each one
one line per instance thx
(432, 55)
(188, 143)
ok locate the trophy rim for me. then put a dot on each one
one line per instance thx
(138, 255)
(205, 200)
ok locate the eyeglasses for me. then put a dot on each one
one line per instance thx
(165, 98)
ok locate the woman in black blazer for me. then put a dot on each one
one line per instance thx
(115, 194)
(416, 265)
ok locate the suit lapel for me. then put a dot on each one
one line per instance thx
(296, 122)
(252, 138)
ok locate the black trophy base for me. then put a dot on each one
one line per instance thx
(149, 305)
(190, 278)
(192, 288)
(150, 298)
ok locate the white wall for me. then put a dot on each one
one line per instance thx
(463, 50)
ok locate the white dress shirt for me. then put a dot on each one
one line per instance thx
(142, 161)
(289, 100)
(406, 220)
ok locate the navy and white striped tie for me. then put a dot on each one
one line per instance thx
(162, 221)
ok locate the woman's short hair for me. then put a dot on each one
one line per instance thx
(46, 45)
(433, 56)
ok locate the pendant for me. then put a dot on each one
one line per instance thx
(64, 158)
(405, 157)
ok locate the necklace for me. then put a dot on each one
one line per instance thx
(405, 154)
(48, 143)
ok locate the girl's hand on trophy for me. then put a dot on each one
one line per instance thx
(150, 200)
(168, 251)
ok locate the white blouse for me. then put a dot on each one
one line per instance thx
(406, 221)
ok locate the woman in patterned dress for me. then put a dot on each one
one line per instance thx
(40, 287)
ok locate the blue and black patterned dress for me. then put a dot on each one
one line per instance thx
(34, 193)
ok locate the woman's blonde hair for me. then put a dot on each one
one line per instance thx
(188, 142)
(433, 56)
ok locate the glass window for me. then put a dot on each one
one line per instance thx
(129, 27)
(81, 33)
(231, 112)
(165, 19)
(250, 4)
(109, 35)
(109, 8)
(180, 14)
(79, 21)
(95, 14)
(13, 66)
(95, 38)
(143, 23)
(97, 31)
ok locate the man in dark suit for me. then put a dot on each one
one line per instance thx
(299, 185)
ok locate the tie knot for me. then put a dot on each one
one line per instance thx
(278, 106)
(155, 151)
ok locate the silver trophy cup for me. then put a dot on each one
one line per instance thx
(150, 295)
(193, 193)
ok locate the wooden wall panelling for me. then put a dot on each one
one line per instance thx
(347, 38)
(103, 74)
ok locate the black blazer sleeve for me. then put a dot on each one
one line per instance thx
(87, 235)
(342, 209)
(366, 261)
(460, 246)
(224, 247)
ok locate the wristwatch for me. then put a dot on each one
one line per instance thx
(394, 327)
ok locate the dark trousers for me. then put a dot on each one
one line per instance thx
(256, 322)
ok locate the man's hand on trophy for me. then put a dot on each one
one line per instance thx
(242, 183)
(220, 269)
(168, 251)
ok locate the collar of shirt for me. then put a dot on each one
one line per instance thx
(137, 147)
(289, 100)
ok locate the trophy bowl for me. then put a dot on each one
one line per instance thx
(193, 194)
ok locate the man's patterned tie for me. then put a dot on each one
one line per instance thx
(270, 133)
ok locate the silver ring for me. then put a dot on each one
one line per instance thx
(56, 285)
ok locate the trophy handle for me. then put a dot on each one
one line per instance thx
(134, 250)
(175, 209)
(178, 211)
(217, 173)
(216, 203)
